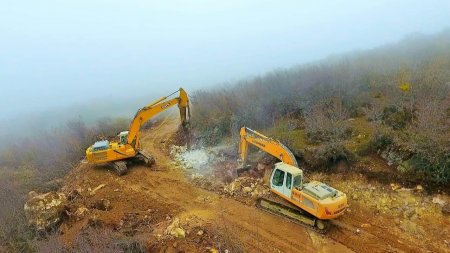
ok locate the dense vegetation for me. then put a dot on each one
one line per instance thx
(400, 90)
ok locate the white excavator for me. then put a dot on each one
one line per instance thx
(313, 203)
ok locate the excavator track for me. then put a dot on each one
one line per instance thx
(120, 167)
(279, 207)
(146, 158)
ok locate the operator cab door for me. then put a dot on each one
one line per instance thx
(281, 182)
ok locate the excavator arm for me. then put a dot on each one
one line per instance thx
(269, 145)
(149, 111)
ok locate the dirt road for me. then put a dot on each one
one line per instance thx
(212, 221)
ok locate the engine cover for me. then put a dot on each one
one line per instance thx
(319, 190)
(100, 145)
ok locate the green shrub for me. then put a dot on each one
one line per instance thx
(380, 140)
(337, 132)
(397, 118)
(210, 137)
(436, 170)
(316, 135)
(327, 121)
(431, 157)
(325, 156)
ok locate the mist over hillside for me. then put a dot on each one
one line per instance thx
(408, 52)
(33, 123)
(402, 90)
(366, 130)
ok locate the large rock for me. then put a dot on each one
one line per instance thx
(235, 186)
(412, 228)
(80, 213)
(102, 204)
(247, 189)
(45, 210)
(260, 191)
(438, 200)
(446, 209)
(175, 230)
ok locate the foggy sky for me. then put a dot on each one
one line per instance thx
(57, 53)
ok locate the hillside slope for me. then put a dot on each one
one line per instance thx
(147, 205)
(400, 93)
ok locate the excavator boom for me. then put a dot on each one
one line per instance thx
(269, 145)
(149, 111)
(118, 153)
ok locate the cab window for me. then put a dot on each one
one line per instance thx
(278, 178)
(298, 181)
(288, 180)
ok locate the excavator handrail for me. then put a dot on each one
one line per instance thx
(269, 145)
(154, 108)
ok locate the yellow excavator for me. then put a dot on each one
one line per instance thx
(313, 203)
(128, 147)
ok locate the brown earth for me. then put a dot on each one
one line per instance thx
(145, 202)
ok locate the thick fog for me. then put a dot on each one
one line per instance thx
(58, 54)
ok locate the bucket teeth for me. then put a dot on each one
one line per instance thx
(241, 170)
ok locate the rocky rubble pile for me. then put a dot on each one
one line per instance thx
(409, 206)
(193, 159)
(207, 183)
(44, 211)
(210, 172)
(175, 233)
(240, 187)
(197, 159)
(404, 202)
(246, 186)
(179, 228)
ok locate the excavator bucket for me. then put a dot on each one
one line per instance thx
(185, 112)
(241, 170)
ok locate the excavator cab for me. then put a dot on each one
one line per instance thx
(286, 177)
(123, 136)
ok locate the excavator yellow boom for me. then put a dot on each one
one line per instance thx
(128, 146)
(149, 111)
(269, 145)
